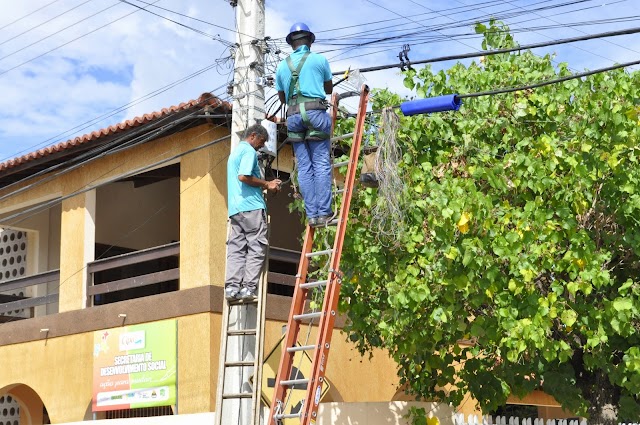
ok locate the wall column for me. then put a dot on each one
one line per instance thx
(203, 216)
(77, 248)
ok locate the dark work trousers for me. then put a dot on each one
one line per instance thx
(246, 249)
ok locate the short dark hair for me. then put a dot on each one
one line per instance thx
(259, 130)
(301, 41)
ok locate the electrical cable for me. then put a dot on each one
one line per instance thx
(456, 24)
(548, 82)
(501, 51)
(575, 29)
(138, 171)
(59, 31)
(68, 42)
(187, 16)
(43, 23)
(28, 14)
(87, 124)
(99, 149)
(214, 37)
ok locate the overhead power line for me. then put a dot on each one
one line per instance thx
(501, 51)
(184, 16)
(46, 22)
(156, 128)
(215, 37)
(68, 42)
(88, 124)
(548, 82)
(59, 31)
(28, 14)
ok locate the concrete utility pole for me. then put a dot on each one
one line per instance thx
(248, 109)
(248, 95)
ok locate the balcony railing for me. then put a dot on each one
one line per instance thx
(136, 274)
(22, 306)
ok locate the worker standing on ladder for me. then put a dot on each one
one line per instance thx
(247, 244)
(302, 81)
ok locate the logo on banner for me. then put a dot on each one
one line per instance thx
(132, 341)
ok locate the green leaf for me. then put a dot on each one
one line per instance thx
(568, 317)
(620, 304)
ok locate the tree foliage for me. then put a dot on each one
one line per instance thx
(521, 237)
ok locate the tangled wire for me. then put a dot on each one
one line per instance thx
(388, 216)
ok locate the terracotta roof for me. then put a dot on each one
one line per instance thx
(206, 99)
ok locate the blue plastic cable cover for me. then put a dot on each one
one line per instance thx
(449, 102)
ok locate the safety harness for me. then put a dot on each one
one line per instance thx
(300, 104)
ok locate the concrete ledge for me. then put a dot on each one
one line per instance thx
(140, 310)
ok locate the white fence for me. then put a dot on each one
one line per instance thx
(459, 419)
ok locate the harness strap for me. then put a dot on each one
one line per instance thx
(294, 85)
(297, 100)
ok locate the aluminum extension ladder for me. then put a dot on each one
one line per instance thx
(300, 314)
(238, 393)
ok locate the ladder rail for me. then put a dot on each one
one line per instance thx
(261, 322)
(332, 296)
(293, 327)
(257, 333)
(319, 351)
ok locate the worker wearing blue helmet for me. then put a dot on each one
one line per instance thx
(303, 80)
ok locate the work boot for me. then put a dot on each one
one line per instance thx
(231, 294)
(246, 294)
(322, 220)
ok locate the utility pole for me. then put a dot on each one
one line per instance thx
(245, 350)
(248, 95)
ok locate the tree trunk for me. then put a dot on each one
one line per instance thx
(602, 395)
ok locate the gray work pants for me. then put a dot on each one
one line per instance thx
(246, 249)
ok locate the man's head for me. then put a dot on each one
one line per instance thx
(256, 136)
(299, 35)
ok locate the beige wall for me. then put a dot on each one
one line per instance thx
(138, 218)
(203, 217)
(59, 370)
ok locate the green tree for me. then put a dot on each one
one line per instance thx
(521, 234)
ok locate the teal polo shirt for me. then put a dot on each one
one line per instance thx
(241, 197)
(314, 73)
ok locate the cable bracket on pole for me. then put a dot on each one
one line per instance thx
(405, 63)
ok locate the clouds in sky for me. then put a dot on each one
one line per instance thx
(75, 60)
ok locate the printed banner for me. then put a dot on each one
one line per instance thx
(135, 366)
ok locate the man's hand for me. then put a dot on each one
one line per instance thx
(273, 186)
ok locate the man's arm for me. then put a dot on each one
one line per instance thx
(271, 185)
(282, 97)
(328, 87)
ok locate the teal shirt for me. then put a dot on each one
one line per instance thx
(241, 197)
(314, 73)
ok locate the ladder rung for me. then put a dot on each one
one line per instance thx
(236, 332)
(340, 164)
(300, 348)
(314, 284)
(286, 416)
(339, 191)
(240, 303)
(315, 254)
(292, 382)
(239, 364)
(344, 136)
(307, 316)
(333, 222)
(237, 395)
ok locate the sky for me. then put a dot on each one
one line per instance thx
(69, 67)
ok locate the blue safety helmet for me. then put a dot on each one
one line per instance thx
(300, 30)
